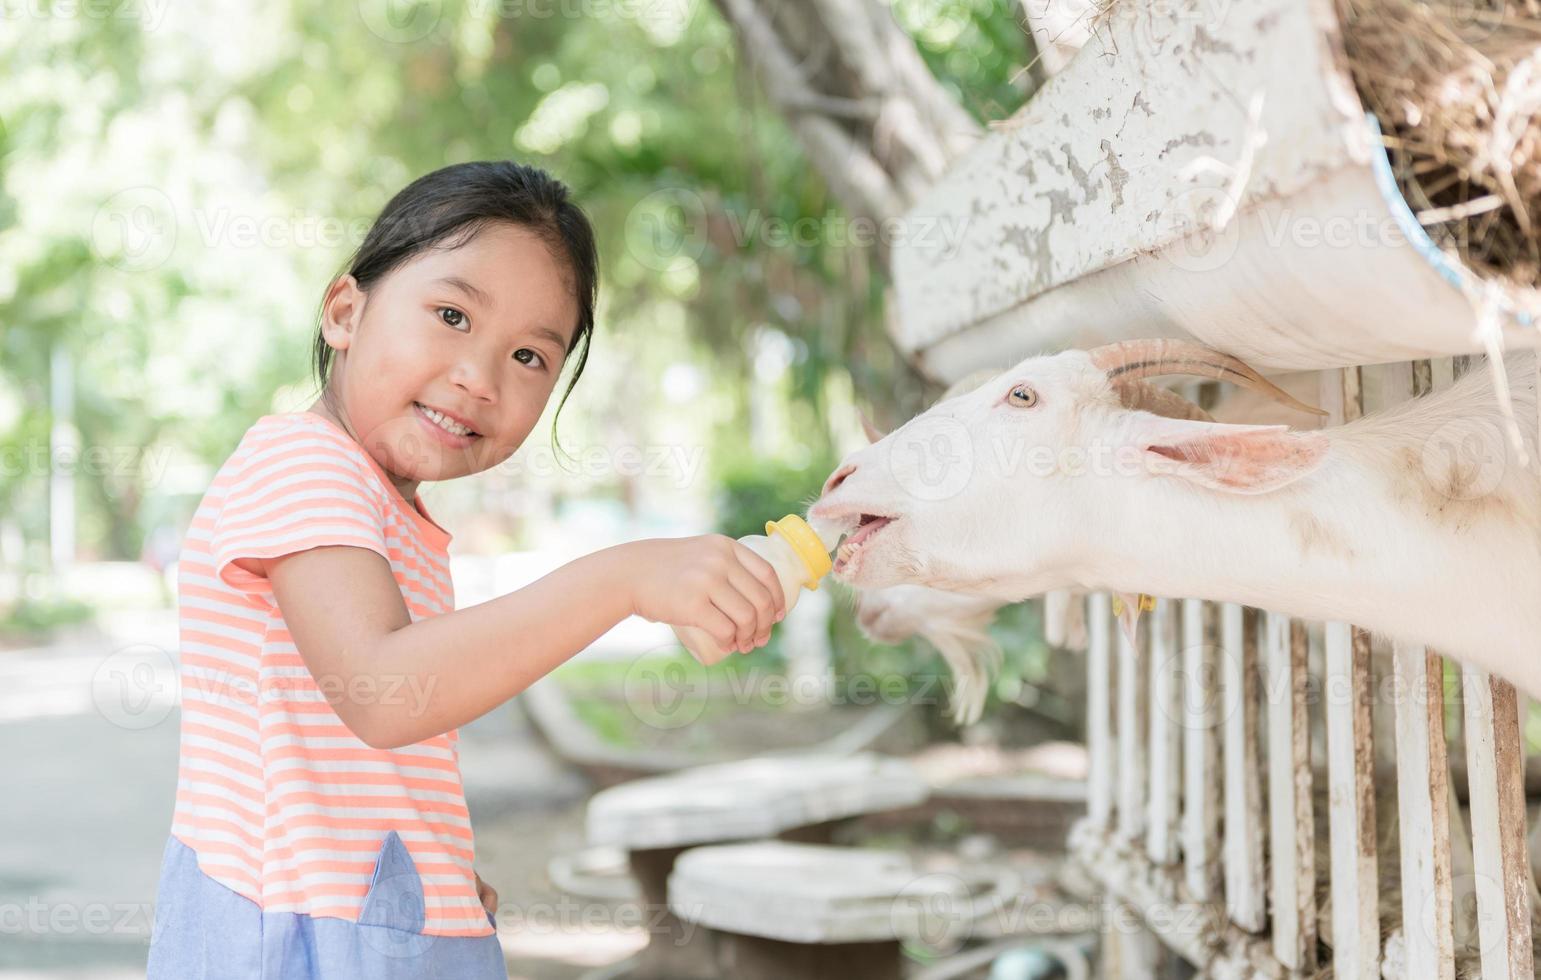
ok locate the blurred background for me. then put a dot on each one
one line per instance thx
(178, 184)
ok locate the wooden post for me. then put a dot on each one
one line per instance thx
(1351, 804)
(1423, 781)
(1132, 733)
(1099, 721)
(1495, 765)
(1423, 788)
(1165, 736)
(1291, 827)
(1244, 826)
(1353, 879)
(1495, 759)
(1201, 753)
(1130, 951)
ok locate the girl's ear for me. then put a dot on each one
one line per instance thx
(341, 312)
(1233, 458)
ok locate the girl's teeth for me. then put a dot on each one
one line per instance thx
(444, 423)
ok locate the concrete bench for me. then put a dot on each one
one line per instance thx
(800, 797)
(818, 912)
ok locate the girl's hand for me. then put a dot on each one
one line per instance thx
(487, 894)
(709, 581)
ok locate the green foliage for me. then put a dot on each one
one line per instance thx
(1025, 678)
(750, 493)
(297, 120)
(605, 694)
(977, 48)
(34, 617)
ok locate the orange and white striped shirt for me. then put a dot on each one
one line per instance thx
(279, 799)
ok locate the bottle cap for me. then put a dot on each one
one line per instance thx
(806, 543)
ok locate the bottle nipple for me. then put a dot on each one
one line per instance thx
(806, 543)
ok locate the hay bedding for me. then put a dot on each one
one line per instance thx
(1456, 87)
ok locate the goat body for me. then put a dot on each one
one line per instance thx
(1418, 523)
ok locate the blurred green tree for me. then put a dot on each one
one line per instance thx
(265, 140)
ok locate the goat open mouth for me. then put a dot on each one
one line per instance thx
(851, 546)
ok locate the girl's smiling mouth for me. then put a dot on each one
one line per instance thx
(446, 429)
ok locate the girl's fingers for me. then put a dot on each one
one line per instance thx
(765, 573)
(718, 626)
(759, 597)
(741, 611)
(487, 894)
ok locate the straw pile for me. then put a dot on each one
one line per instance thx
(1456, 86)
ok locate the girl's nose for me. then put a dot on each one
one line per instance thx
(470, 375)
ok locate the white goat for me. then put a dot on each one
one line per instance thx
(1416, 523)
(958, 624)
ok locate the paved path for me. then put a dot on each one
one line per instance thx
(88, 753)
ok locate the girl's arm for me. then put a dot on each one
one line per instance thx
(394, 682)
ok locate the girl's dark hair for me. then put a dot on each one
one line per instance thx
(448, 207)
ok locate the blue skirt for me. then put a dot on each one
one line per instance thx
(206, 931)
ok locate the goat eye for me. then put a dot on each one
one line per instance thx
(1023, 397)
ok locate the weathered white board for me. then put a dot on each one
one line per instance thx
(1199, 169)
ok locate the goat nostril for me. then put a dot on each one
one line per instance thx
(838, 478)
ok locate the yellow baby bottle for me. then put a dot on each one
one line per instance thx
(800, 558)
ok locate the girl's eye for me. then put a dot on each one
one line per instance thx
(451, 316)
(523, 355)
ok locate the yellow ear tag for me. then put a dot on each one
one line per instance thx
(1147, 604)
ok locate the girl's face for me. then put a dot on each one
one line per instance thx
(478, 333)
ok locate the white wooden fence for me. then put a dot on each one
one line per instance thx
(1205, 794)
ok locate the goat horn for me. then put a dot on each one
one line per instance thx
(1131, 360)
(1144, 396)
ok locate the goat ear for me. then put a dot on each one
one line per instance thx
(872, 431)
(1233, 458)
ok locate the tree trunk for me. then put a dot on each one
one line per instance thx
(868, 112)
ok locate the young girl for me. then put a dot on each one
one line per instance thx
(320, 827)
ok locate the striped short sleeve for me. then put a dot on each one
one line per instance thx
(301, 491)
